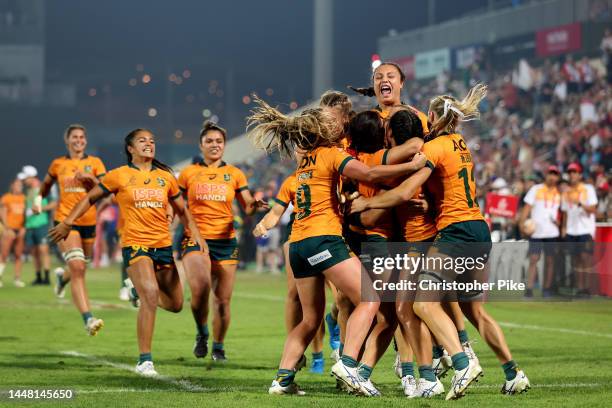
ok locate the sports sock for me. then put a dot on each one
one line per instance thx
(463, 336)
(86, 316)
(46, 275)
(203, 330)
(510, 370)
(365, 371)
(460, 361)
(317, 356)
(438, 351)
(407, 369)
(285, 377)
(217, 346)
(38, 276)
(341, 349)
(427, 372)
(124, 275)
(2, 266)
(349, 361)
(144, 357)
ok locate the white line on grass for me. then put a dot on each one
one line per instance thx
(505, 324)
(554, 329)
(184, 384)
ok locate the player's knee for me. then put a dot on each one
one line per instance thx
(422, 309)
(222, 304)
(292, 295)
(176, 306)
(149, 294)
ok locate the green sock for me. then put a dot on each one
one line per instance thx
(202, 329)
(427, 372)
(341, 349)
(86, 316)
(460, 361)
(217, 346)
(407, 369)
(438, 351)
(144, 357)
(365, 371)
(349, 361)
(463, 336)
(317, 356)
(510, 369)
(285, 377)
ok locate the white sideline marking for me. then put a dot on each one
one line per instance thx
(273, 298)
(233, 389)
(566, 385)
(555, 329)
(184, 384)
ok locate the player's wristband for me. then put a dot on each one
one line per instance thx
(355, 219)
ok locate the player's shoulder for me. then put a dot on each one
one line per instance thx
(190, 169)
(94, 159)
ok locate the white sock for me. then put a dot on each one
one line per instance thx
(2, 266)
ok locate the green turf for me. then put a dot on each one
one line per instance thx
(565, 368)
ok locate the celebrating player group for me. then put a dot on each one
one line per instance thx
(390, 173)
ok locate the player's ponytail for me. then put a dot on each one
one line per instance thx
(271, 130)
(129, 139)
(449, 111)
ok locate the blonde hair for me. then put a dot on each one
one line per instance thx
(338, 99)
(450, 111)
(74, 126)
(271, 130)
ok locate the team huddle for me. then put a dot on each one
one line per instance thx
(391, 173)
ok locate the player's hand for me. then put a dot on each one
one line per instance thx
(202, 243)
(419, 160)
(261, 205)
(419, 203)
(59, 232)
(37, 205)
(88, 180)
(359, 204)
(260, 230)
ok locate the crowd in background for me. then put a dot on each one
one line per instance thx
(552, 112)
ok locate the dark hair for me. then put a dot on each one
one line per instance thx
(405, 124)
(369, 91)
(210, 125)
(128, 142)
(393, 64)
(366, 132)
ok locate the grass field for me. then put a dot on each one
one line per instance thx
(563, 347)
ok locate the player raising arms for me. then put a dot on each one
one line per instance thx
(12, 216)
(459, 221)
(75, 174)
(143, 188)
(317, 250)
(210, 188)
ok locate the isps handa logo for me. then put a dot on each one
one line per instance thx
(148, 197)
(211, 192)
